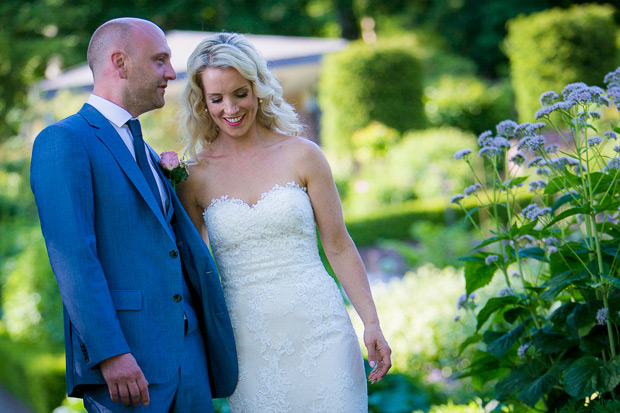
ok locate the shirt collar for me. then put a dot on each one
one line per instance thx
(111, 111)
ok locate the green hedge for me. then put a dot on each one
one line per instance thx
(32, 374)
(550, 49)
(395, 221)
(468, 103)
(365, 83)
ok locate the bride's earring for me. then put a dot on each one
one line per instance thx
(260, 100)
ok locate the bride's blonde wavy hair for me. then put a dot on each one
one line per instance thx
(224, 50)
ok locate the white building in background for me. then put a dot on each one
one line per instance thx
(295, 61)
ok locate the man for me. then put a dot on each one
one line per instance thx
(145, 318)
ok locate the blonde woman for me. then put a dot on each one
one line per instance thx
(257, 193)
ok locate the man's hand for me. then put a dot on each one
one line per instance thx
(378, 353)
(125, 380)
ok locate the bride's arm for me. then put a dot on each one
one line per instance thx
(342, 254)
(186, 191)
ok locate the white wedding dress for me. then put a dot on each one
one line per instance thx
(297, 349)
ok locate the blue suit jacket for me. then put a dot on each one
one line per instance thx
(117, 259)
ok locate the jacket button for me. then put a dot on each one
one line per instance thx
(174, 253)
(177, 298)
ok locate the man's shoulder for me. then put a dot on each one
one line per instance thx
(75, 124)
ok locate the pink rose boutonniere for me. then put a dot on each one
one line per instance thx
(173, 168)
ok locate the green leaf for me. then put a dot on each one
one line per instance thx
(514, 313)
(563, 182)
(561, 281)
(469, 341)
(612, 280)
(536, 253)
(548, 341)
(590, 374)
(525, 379)
(565, 214)
(516, 181)
(489, 241)
(481, 363)
(502, 345)
(477, 275)
(533, 391)
(563, 200)
(494, 304)
(470, 213)
(583, 318)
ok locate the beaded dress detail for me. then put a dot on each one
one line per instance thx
(296, 346)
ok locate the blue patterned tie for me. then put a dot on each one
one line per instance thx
(143, 163)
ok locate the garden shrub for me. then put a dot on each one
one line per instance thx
(33, 374)
(418, 166)
(395, 221)
(468, 103)
(31, 304)
(552, 48)
(365, 83)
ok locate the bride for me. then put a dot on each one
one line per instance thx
(257, 194)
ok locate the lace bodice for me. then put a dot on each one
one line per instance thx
(297, 349)
(278, 231)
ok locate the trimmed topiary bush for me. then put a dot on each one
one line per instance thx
(550, 49)
(468, 103)
(367, 83)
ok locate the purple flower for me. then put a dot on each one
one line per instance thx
(506, 128)
(546, 111)
(491, 259)
(489, 151)
(552, 249)
(532, 212)
(543, 171)
(482, 139)
(521, 352)
(610, 135)
(456, 199)
(472, 189)
(595, 140)
(537, 184)
(548, 98)
(537, 161)
(614, 93)
(500, 142)
(552, 148)
(612, 165)
(617, 148)
(551, 241)
(601, 316)
(462, 154)
(613, 78)
(504, 292)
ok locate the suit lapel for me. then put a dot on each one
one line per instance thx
(165, 182)
(110, 138)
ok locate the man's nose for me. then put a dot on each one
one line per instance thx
(170, 73)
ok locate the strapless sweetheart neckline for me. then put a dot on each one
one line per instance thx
(275, 188)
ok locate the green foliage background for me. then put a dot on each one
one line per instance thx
(553, 48)
(366, 83)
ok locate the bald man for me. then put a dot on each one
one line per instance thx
(146, 325)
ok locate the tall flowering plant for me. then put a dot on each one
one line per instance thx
(550, 337)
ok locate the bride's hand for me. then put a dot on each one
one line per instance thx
(378, 353)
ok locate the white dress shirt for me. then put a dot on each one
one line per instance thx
(118, 118)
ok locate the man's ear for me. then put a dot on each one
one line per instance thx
(119, 61)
